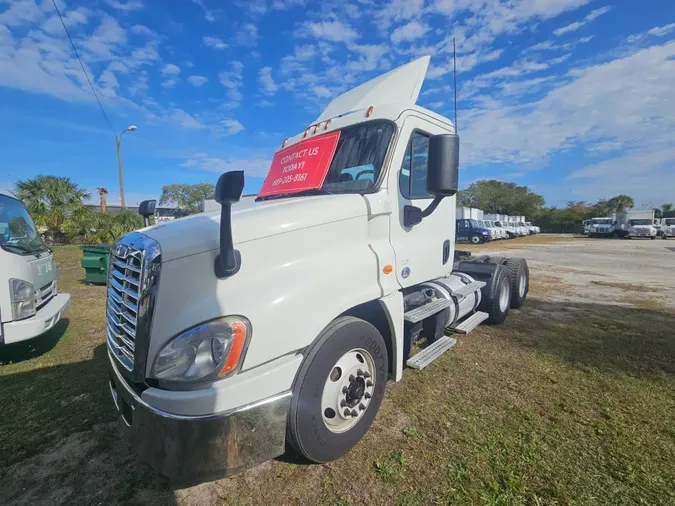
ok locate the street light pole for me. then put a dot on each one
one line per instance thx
(118, 141)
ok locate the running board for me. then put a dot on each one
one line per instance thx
(420, 313)
(431, 352)
(470, 323)
(469, 289)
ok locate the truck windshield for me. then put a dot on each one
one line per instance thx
(669, 221)
(476, 224)
(640, 222)
(601, 221)
(498, 224)
(17, 230)
(358, 157)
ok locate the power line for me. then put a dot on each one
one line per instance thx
(83, 69)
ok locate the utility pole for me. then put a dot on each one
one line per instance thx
(118, 141)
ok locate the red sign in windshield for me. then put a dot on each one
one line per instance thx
(300, 167)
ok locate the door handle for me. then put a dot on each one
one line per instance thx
(446, 251)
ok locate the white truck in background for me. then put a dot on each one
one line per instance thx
(601, 227)
(29, 302)
(586, 227)
(501, 221)
(667, 228)
(495, 231)
(280, 320)
(533, 228)
(634, 223)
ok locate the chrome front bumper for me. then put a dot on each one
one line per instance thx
(192, 449)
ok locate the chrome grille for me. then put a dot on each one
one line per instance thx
(44, 294)
(125, 279)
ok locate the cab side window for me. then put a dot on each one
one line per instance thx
(414, 169)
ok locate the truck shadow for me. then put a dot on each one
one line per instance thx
(61, 441)
(633, 340)
(32, 348)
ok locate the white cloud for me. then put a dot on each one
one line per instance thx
(233, 81)
(409, 32)
(20, 12)
(657, 31)
(211, 15)
(170, 70)
(169, 83)
(129, 5)
(232, 126)
(79, 16)
(626, 101)
(247, 35)
(397, 11)
(256, 167)
(197, 81)
(334, 31)
(267, 84)
(184, 120)
(214, 42)
(594, 14)
(142, 30)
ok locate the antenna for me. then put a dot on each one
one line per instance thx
(454, 78)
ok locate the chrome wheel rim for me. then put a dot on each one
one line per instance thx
(521, 284)
(504, 296)
(348, 390)
(475, 239)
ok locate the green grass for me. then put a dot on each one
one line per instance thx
(572, 408)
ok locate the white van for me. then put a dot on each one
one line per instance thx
(29, 302)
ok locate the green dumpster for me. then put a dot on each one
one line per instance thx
(95, 260)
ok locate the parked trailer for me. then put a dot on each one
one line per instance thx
(280, 320)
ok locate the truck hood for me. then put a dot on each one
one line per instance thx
(252, 221)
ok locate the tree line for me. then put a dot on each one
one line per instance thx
(497, 197)
(58, 208)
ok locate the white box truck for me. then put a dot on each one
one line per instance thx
(634, 223)
(501, 222)
(667, 228)
(280, 320)
(30, 304)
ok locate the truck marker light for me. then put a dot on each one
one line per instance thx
(387, 269)
(306, 132)
(325, 127)
(239, 339)
(316, 128)
(283, 144)
(369, 111)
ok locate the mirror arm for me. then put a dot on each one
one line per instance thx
(432, 207)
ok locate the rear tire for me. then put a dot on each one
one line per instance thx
(520, 281)
(498, 301)
(308, 430)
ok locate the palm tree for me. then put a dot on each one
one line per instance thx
(666, 208)
(51, 201)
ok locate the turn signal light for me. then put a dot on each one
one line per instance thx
(239, 334)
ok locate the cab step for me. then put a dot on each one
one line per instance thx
(420, 313)
(431, 352)
(470, 323)
(469, 289)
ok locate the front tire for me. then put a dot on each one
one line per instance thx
(345, 369)
(476, 239)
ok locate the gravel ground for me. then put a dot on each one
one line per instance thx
(636, 272)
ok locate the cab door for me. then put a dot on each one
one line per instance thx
(424, 251)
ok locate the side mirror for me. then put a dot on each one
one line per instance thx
(443, 161)
(228, 191)
(147, 209)
(442, 176)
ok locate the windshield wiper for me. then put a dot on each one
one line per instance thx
(313, 191)
(23, 248)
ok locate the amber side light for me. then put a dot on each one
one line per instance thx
(239, 340)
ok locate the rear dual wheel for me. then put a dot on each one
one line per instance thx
(338, 390)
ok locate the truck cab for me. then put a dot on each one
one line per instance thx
(641, 227)
(586, 227)
(280, 320)
(601, 227)
(495, 231)
(473, 231)
(29, 302)
(667, 228)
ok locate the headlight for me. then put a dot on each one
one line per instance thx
(208, 351)
(22, 297)
(485, 232)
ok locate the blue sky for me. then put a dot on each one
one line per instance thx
(572, 97)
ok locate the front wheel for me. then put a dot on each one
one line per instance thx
(476, 239)
(338, 390)
(653, 237)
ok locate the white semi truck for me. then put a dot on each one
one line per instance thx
(634, 223)
(501, 221)
(29, 302)
(602, 227)
(281, 320)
